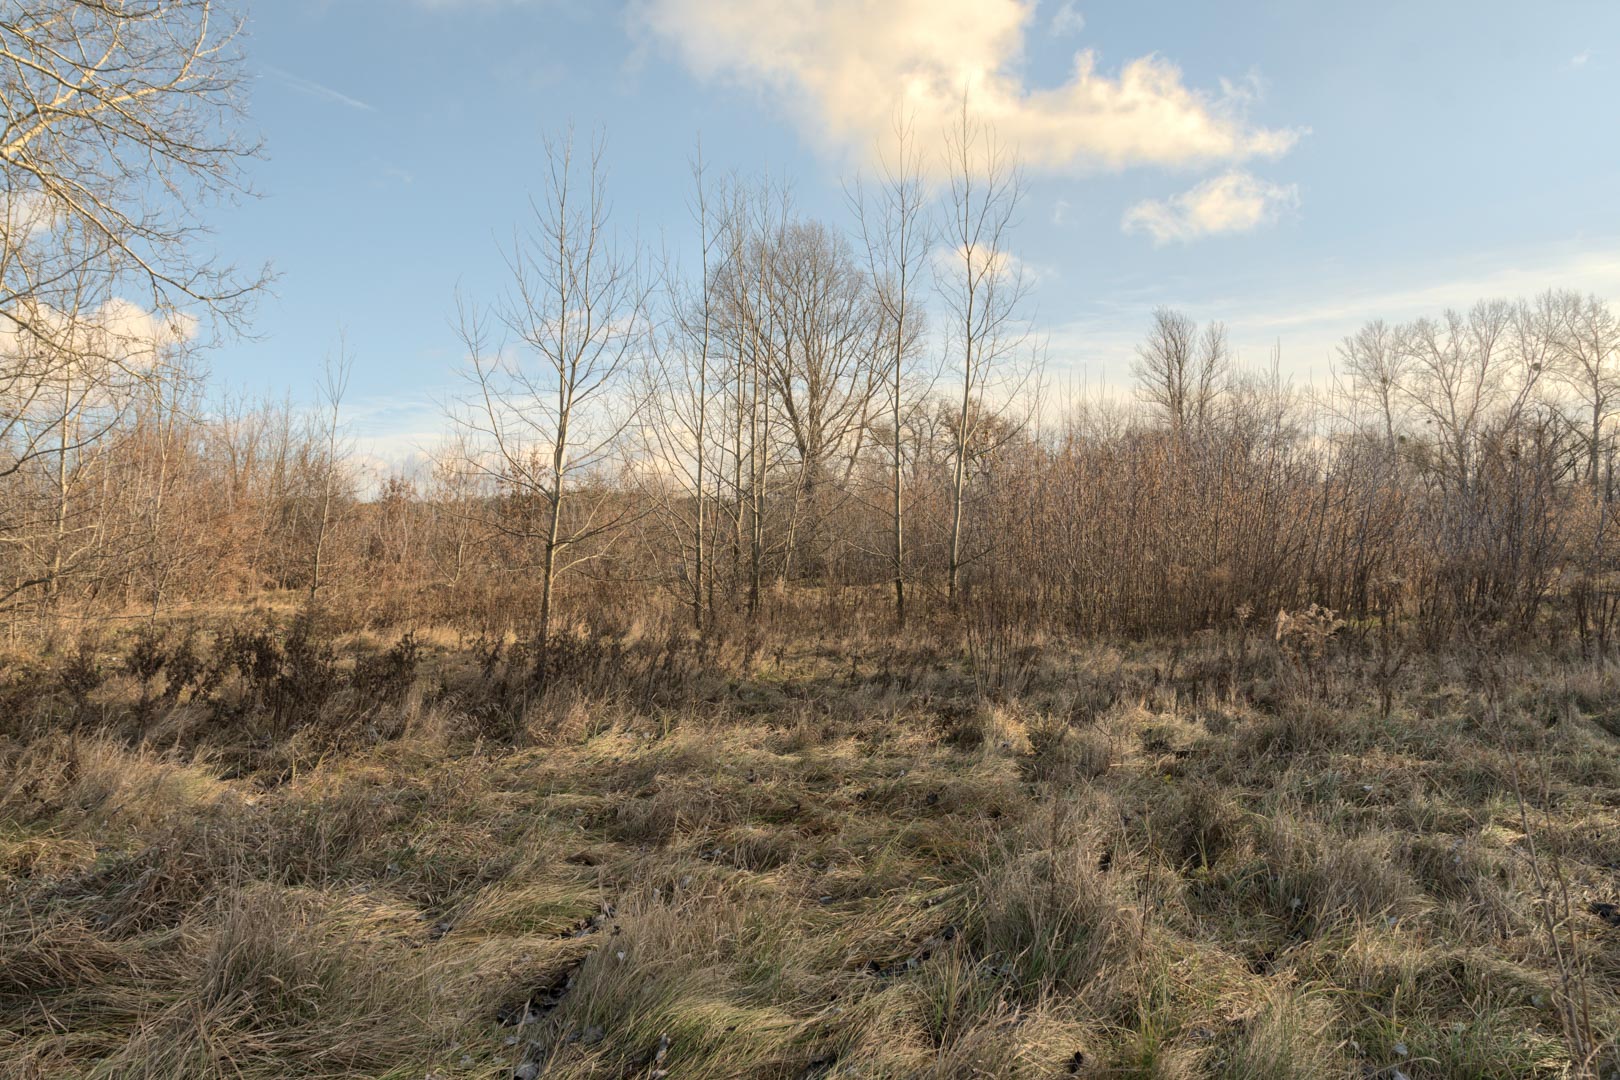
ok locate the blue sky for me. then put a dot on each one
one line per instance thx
(1291, 167)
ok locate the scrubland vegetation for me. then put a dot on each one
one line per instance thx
(770, 675)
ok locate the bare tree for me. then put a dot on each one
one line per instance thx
(818, 368)
(896, 237)
(553, 399)
(1466, 370)
(453, 496)
(163, 489)
(334, 385)
(680, 398)
(1181, 370)
(1586, 337)
(117, 122)
(748, 324)
(1376, 360)
(63, 393)
(982, 287)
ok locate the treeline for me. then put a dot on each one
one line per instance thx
(1458, 479)
(795, 412)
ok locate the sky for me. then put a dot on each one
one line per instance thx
(1291, 167)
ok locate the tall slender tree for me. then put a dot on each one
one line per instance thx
(680, 396)
(896, 237)
(553, 394)
(982, 288)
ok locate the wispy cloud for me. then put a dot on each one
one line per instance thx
(1520, 275)
(315, 89)
(843, 68)
(1067, 20)
(1001, 265)
(1307, 328)
(1232, 202)
(1581, 59)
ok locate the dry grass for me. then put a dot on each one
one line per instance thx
(794, 866)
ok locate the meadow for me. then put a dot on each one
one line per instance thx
(257, 849)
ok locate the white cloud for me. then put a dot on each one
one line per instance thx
(844, 67)
(1068, 20)
(117, 336)
(1581, 59)
(126, 331)
(1232, 202)
(1000, 265)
